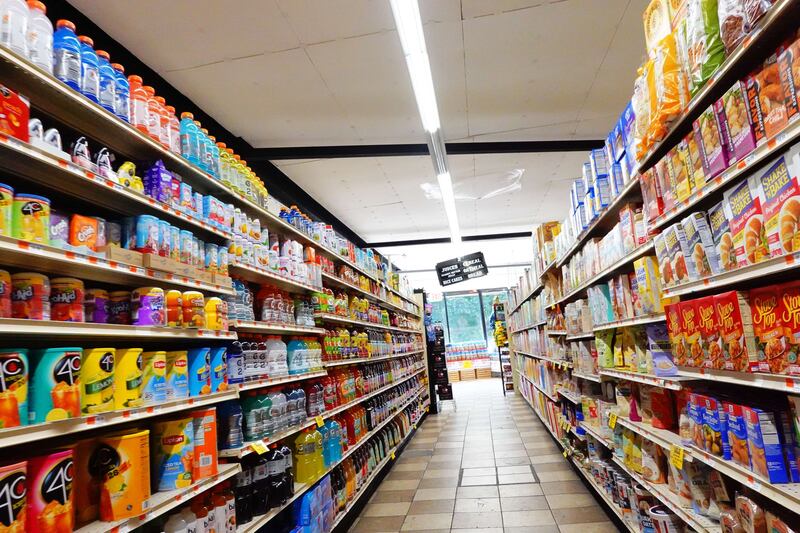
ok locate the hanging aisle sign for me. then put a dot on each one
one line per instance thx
(461, 269)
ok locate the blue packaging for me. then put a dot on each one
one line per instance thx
(218, 369)
(175, 243)
(229, 425)
(129, 233)
(197, 204)
(766, 452)
(199, 374)
(617, 180)
(602, 194)
(122, 93)
(164, 238)
(790, 448)
(235, 364)
(108, 82)
(90, 70)
(147, 238)
(67, 55)
(586, 176)
(626, 125)
(185, 197)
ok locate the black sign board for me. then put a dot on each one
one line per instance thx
(461, 269)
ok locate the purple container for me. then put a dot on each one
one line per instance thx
(95, 306)
(147, 307)
(158, 183)
(119, 307)
(59, 229)
(734, 121)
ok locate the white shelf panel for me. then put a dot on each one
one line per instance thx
(673, 383)
(587, 377)
(277, 328)
(637, 321)
(79, 330)
(329, 317)
(764, 381)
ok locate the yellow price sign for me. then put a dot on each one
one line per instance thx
(319, 421)
(612, 420)
(392, 456)
(427, 409)
(259, 447)
(676, 456)
(564, 454)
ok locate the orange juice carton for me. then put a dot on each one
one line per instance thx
(765, 100)
(672, 312)
(50, 490)
(664, 265)
(647, 285)
(204, 460)
(700, 244)
(172, 444)
(13, 387)
(780, 193)
(718, 218)
(123, 464)
(97, 380)
(690, 324)
(14, 501)
(737, 337)
(677, 249)
(14, 114)
(128, 378)
(55, 388)
(747, 222)
(771, 343)
(766, 453)
(790, 320)
(709, 332)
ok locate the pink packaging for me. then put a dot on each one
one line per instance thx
(734, 120)
(49, 484)
(711, 143)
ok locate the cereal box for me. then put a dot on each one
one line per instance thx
(711, 144)
(736, 335)
(662, 256)
(747, 223)
(737, 434)
(695, 162)
(673, 316)
(682, 152)
(682, 266)
(651, 195)
(721, 233)
(790, 320)
(734, 120)
(780, 193)
(700, 243)
(665, 183)
(768, 329)
(679, 173)
(690, 325)
(14, 114)
(648, 287)
(714, 431)
(696, 409)
(627, 227)
(709, 332)
(766, 454)
(765, 100)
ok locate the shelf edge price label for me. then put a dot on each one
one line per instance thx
(676, 456)
(259, 447)
(612, 420)
(319, 421)
(392, 456)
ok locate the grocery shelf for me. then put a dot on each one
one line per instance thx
(606, 498)
(777, 382)
(574, 431)
(329, 317)
(41, 258)
(529, 326)
(81, 330)
(673, 383)
(625, 263)
(785, 494)
(375, 359)
(550, 266)
(604, 220)
(260, 521)
(263, 275)
(637, 321)
(778, 24)
(270, 382)
(580, 336)
(574, 398)
(557, 362)
(21, 435)
(556, 332)
(663, 437)
(597, 436)
(255, 326)
(527, 297)
(587, 377)
(25, 161)
(540, 389)
(698, 522)
(160, 503)
(335, 281)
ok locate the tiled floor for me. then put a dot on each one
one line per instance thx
(489, 465)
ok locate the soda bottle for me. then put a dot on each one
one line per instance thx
(275, 477)
(243, 491)
(288, 474)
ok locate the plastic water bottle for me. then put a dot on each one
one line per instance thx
(108, 81)
(268, 420)
(279, 407)
(174, 131)
(325, 432)
(14, 26)
(90, 70)
(253, 423)
(229, 420)
(122, 93)
(189, 140)
(291, 407)
(208, 151)
(67, 54)
(40, 36)
(215, 162)
(202, 155)
(153, 114)
(301, 404)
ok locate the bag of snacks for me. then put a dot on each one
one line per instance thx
(666, 88)
(705, 49)
(654, 461)
(754, 10)
(751, 515)
(732, 22)
(640, 102)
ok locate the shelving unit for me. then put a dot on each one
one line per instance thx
(81, 330)
(252, 326)
(328, 317)
(673, 383)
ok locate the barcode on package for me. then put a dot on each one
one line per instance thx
(205, 460)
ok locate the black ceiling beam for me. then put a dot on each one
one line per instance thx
(444, 240)
(391, 150)
(278, 184)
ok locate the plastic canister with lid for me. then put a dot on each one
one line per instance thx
(128, 378)
(95, 306)
(125, 491)
(30, 219)
(177, 375)
(67, 300)
(13, 387)
(12, 482)
(55, 384)
(50, 491)
(119, 307)
(6, 208)
(5, 294)
(199, 374)
(97, 380)
(30, 296)
(148, 306)
(193, 303)
(154, 377)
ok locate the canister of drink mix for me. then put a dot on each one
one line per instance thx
(172, 444)
(97, 380)
(177, 375)
(123, 463)
(154, 371)
(55, 384)
(128, 378)
(13, 387)
(50, 493)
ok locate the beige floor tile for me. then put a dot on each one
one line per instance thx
(559, 501)
(433, 473)
(563, 475)
(483, 530)
(510, 479)
(444, 458)
(526, 489)
(400, 484)
(386, 509)
(478, 480)
(513, 461)
(470, 472)
(489, 491)
(419, 522)
(505, 453)
(527, 518)
(531, 529)
(547, 458)
(564, 487)
(409, 467)
(477, 505)
(391, 496)
(378, 524)
(523, 503)
(404, 474)
(596, 527)
(438, 483)
(431, 507)
(519, 469)
(477, 463)
(553, 467)
(580, 515)
(479, 520)
(447, 445)
(445, 493)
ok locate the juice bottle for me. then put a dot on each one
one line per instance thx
(174, 126)
(220, 511)
(40, 36)
(200, 510)
(304, 449)
(207, 150)
(189, 138)
(138, 109)
(202, 156)
(215, 157)
(122, 93)
(14, 17)
(319, 464)
(163, 122)
(153, 114)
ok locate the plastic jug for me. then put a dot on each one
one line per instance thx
(288, 474)
(276, 487)
(153, 114)
(14, 26)
(108, 81)
(90, 69)
(276, 356)
(189, 138)
(202, 156)
(39, 37)
(279, 410)
(268, 419)
(301, 404)
(294, 353)
(207, 151)
(163, 122)
(174, 130)
(215, 163)
(122, 92)
(67, 54)
(252, 415)
(138, 110)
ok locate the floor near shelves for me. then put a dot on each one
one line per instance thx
(488, 464)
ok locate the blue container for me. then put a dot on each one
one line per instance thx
(67, 54)
(218, 369)
(90, 70)
(147, 234)
(108, 81)
(122, 93)
(199, 375)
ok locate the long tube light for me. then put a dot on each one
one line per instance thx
(412, 39)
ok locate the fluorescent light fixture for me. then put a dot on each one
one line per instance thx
(412, 39)
(449, 201)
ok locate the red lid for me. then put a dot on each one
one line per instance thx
(135, 79)
(66, 24)
(86, 40)
(103, 54)
(35, 4)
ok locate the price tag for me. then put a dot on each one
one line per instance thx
(259, 447)
(676, 456)
(612, 420)
(392, 456)
(319, 421)
(564, 454)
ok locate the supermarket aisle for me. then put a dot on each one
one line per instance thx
(489, 464)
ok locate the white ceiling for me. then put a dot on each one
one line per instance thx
(331, 72)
